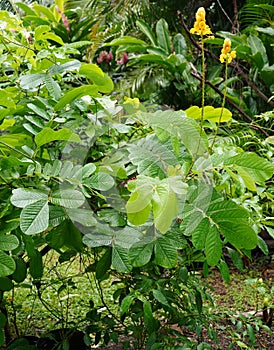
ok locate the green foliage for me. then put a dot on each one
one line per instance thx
(143, 192)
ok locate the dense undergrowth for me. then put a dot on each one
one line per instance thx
(141, 188)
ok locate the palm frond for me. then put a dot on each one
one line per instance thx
(251, 14)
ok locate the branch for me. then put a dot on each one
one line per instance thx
(232, 64)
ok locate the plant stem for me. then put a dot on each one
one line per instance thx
(222, 108)
(202, 106)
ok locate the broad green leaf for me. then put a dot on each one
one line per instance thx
(36, 265)
(65, 67)
(91, 90)
(47, 135)
(210, 113)
(20, 272)
(159, 295)
(166, 254)
(258, 168)
(34, 218)
(56, 215)
(84, 216)
(40, 9)
(213, 246)
(32, 81)
(248, 180)
(126, 303)
(39, 111)
(164, 206)
(73, 237)
(139, 217)
(224, 271)
(8, 242)
(152, 157)
(267, 74)
(120, 259)
(163, 35)
(7, 264)
(21, 197)
(175, 123)
(103, 265)
(149, 321)
(5, 284)
(258, 50)
(127, 40)
(140, 198)
(53, 87)
(199, 234)
(6, 124)
(100, 181)
(179, 43)
(140, 253)
(67, 198)
(145, 28)
(97, 76)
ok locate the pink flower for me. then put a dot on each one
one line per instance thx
(104, 56)
(124, 58)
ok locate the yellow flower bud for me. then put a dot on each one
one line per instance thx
(226, 55)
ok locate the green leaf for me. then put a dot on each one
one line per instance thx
(103, 265)
(248, 180)
(213, 246)
(150, 322)
(158, 295)
(20, 272)
(67, 198)
(210, 113)
(262, 245)
(120, 259)
(224, 271)
(145, 28)
(175, 124)
(8, 242)
(32, 81)
(100, 181)
(36, 265)
(179, 43)
(84, 216)
(166, 254)
(140, 253)
(97, 76)
(21, 197)
(164, 206)
(258, 50)
(65, 67)
(267, 74)
(258, 168)
(7, 264)
(5, 284)
(53, 87)
(75, 93)
(34, 218)
(127, 40)
(163, 35)
(126, 303)
(139, 217)
(152, 157)
(48, 135)
(73, 237)
(39, 111)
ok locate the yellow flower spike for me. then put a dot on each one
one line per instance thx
(200, 27)
(226, 55)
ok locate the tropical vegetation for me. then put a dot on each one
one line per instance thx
(141, 148)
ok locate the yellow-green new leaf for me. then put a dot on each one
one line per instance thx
(48, 135)
(210, 113)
